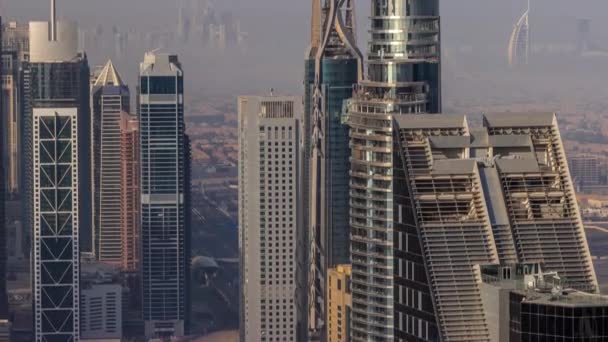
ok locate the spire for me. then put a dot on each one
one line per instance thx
(315, 28)
(108, 76)
(53, 21)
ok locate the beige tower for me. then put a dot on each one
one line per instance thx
(339, 303)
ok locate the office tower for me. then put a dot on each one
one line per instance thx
(403, 77)
(519, 43)
(333, 66)
(582, 38)
(58, 77)
(3, 247)
(271, 238)
(56, 197)
(129, 193)
(110, 100)
(165, 258)
(101, 312)
(526, 303)
(461, 197)
(5, 330)
(585, 171)
(57, 129)
(9, 115)
(339, 303)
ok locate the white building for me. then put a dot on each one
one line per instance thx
(272, 243)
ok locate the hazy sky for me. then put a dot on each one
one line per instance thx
(279, 30)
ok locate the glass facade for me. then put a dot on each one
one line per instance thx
(532, 322)
(163, 153)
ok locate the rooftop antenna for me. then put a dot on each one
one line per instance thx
(53, 21)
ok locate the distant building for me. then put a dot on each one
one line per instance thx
(130, 193)
(585, 171)
(271, 238)
(110, 100)
(3, 233)
(334, 65)
(5, 330)
(165, 261)
(524, 303)
(339, 303)
(582, 38)
(519, 43)
(101, 313)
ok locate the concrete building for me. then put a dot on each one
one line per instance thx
(271, 239)
(164, 227)
(333, 67)
(3, 233)
(5, 330)
(461, 197)
(339, 303)
(110, 100)
(404, 63)
(130, 193)
(101, 313)
(524, 303)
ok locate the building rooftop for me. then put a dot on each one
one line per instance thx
(496, 120)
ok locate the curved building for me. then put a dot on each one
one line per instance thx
(404, 63)
(332, 68)
(519, 43)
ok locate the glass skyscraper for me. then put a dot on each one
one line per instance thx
(164, 191)
(332, 69)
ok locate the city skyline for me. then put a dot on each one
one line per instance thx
(362, 206)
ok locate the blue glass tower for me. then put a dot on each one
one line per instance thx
(164, 195)
(332, 69)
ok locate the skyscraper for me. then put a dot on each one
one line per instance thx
(271, 239)
(130, 193)
(339, 303)
(333, 67)
(3, 248)
(165, 256)
(403, 77)
(110, 100)
(59, 78)
(519, 43)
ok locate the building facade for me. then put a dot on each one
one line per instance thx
(165, 256)
(101, 313)
(585, 171)
(15, 49)
(56, 224)
(404, 63)
(271, 238)
(130, 193)
(519, 43)
(333, 67)
(339, 303)
(3, 233)
(110, 101)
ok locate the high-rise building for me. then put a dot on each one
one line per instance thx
(58, 77)
(57, 131)
(403, 77)
(333, 67)
(130, 193)
(15, 48)
(165, 257)
(519, 43)
(339, 303)
(271, 238)
(110, 100)
(460, 197)
(56, 197)
(3, 233)
(585, 171)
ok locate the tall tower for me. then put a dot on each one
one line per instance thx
(3, 247)
(59, 147)
(519, 43)
(271, 238)
(333, 67)
(165, 257)
(110, 101)
(403, 76)
(130, 193)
